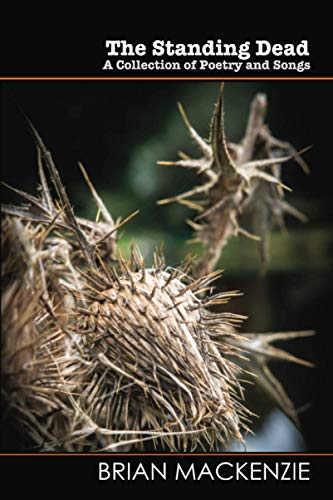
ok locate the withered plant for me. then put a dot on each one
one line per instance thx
(100, 352)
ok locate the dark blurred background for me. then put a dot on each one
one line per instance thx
(119, 130)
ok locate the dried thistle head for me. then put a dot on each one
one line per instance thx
(237, 178)
(149, 328)
(131, 354)
(121, 353)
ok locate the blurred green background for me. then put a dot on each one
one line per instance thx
(119, 130)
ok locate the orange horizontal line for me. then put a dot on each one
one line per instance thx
(167, 454)
(171, 78)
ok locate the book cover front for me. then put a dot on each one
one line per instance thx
(166, 260)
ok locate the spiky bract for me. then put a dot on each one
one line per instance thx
(237, 178)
